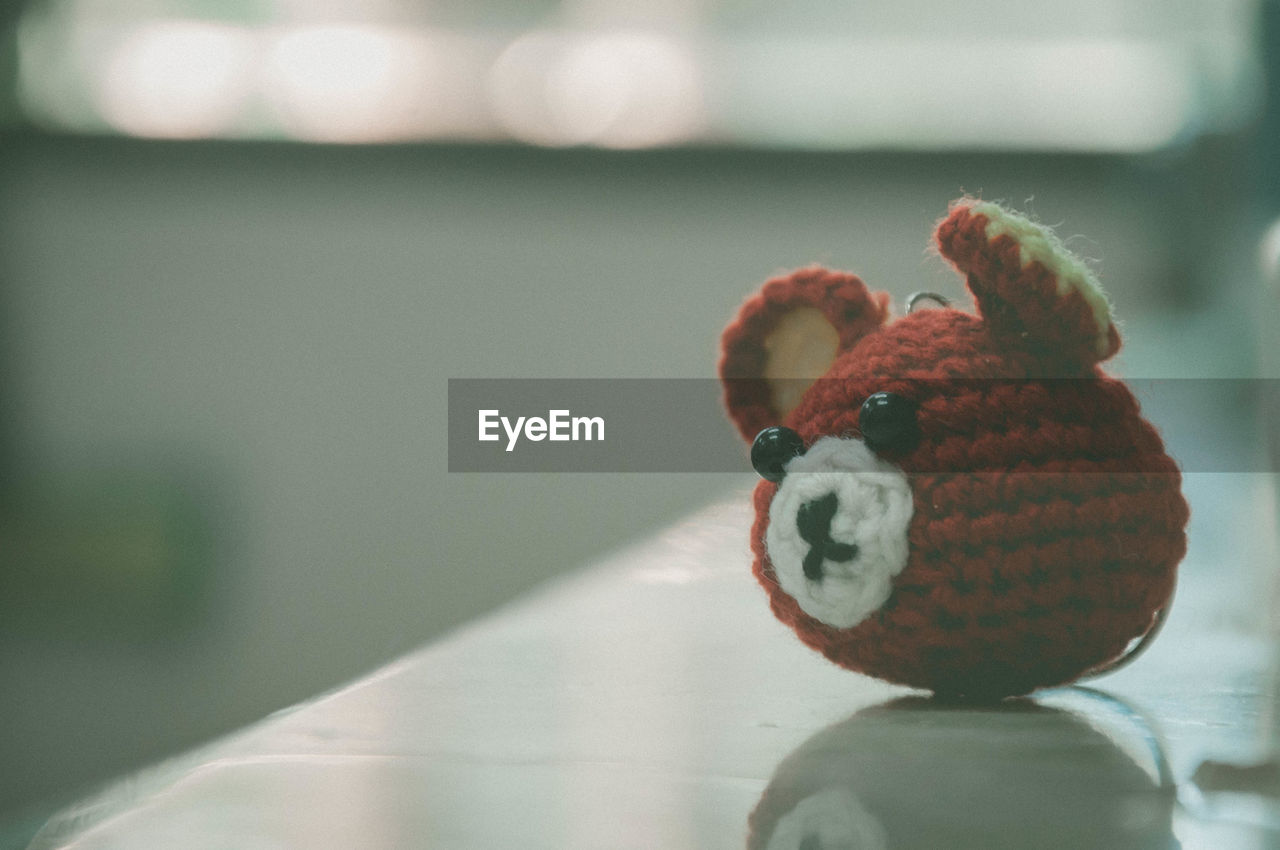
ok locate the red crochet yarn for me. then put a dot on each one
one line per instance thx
(1047, 519)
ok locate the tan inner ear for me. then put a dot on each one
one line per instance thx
(797, 352)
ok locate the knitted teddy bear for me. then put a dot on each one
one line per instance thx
(956, 502)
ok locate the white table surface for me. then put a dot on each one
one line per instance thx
(650, 700)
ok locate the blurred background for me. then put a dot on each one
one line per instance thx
(244, 244)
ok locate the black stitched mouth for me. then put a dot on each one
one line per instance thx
(813, 521)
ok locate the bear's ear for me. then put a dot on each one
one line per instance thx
(1030, 289)
(787, 336)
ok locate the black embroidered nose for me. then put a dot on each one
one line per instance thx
(813, 521)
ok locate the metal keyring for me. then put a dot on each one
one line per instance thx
(916, 297)
(1162, 772)
(1137, 649)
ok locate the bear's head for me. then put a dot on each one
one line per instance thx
(965, 503)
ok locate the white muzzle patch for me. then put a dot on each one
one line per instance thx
(837, 534)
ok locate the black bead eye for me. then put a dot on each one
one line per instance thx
(888, 421)
(772, 449)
